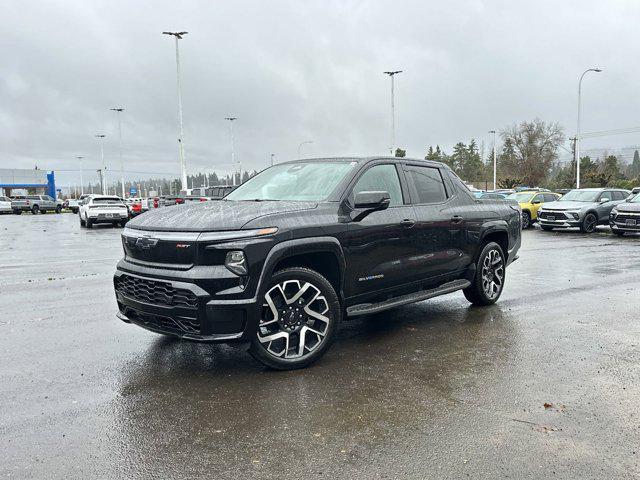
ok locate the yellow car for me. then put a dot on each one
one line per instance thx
(530, 202)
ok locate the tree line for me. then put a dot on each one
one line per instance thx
(529, 157)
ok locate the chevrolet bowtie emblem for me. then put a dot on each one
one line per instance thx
(145, 243)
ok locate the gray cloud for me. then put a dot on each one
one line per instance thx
(294, 71)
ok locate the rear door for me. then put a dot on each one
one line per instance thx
(439, 223)
(379, 248)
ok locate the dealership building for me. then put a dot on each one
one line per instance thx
(37, 182)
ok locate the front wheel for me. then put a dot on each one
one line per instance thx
(299, 314)
(58, 209)
(617, 232)
(589, 223)
(526, 220)
(488, 280)
(35, 209)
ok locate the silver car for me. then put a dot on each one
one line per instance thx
(584, 208)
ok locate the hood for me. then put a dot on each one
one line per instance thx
(628, 207)
(567, 205)
(212, 215)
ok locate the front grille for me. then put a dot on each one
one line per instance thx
(155, 292)
(621, 220)
(556, 215)
(163, 323)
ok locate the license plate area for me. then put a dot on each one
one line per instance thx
(551, 218)
(630, 222)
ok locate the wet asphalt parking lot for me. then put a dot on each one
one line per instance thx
(545, 384)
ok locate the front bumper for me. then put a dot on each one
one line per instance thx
(183, 309)
(560, 219)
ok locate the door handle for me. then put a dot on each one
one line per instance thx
(408, 223)
(456, 219)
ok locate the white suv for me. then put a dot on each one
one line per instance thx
(102, 209)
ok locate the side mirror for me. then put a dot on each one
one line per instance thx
(605, 200)
(536, 202)
(372, 200)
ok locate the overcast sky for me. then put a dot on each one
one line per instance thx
(300, 70)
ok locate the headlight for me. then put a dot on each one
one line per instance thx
(614, 211)
(236, 262)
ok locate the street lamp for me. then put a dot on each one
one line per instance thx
(103, 176)
(495, 163)
(393, 110)
(79, 157)
(301, 144)
(183, 164)
(272, 155)
(233, 150)
(118, 111)
(598, 70)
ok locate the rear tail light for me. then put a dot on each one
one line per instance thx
(203, 199)
(179, 200)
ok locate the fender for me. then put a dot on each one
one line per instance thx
(290, 248)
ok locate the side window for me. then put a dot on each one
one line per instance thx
(381, 178)
(549, 197)
(426, 184)
(538, 198)
(617, 195)
(605, 195)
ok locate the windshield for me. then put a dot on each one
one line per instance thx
(107, 201)
(520, 197)
(635, 199)
(304, 181)
(580, 196)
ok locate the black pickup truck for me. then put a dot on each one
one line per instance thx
(281, 260)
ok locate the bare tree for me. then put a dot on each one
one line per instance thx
(530, 148)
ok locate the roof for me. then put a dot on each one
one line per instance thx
(368, 159)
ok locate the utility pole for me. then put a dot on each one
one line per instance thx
(301, 144)
(598, 70)
(81, 180)
(233, 151)
(573, 141)
(118, 111)
(495, 161)
(392, 74)
(183, 164)
(103, 176)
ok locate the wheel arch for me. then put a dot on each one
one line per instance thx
(323, 255)
(499, 235)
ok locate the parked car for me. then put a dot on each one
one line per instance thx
(492, 196)
(530, 202)
(625, 217)
(35, 204)
(102, 209)
(585, 208)
(73, 204)
(170, 200)
(292, 250)
(5, 205)
(634, 191)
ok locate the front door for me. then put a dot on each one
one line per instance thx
(378, 247)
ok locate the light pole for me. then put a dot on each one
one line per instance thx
(118, 111)
(233, 150)
(495, 163)
(272, 155)
(103, 176)
(393, 110)
(183, 164)
(301, 144)
(79, 157)
(578, 132)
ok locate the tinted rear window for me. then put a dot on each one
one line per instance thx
(426, 185)
(106, 201)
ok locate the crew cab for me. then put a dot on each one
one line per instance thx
(281, 260)
(96, 209)
(35, 204)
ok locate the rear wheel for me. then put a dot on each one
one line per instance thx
(58, 209)
(299, 315)
(35, 209)
(488, 281)
(18, 212)
(589, 223)
(526, 220)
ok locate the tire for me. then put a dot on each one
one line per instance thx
(589, 223)
(617, 232)
(546, 228)
(526, 220)
(317, 313)
(17, 212)
(485, 290)
(123, 223)
(58, 209)
(89, 223)
(35, 209)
